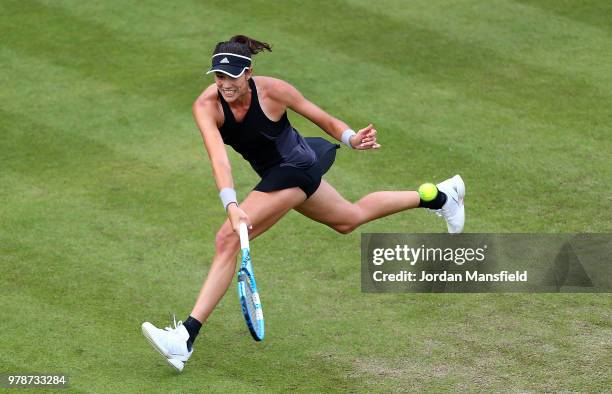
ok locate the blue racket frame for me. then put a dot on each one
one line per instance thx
(246, 281)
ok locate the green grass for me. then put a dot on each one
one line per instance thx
(108, 208)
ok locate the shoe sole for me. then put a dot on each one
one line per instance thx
(461, 196)
(460, 188)
(159, 350)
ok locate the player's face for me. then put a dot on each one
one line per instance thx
(232, 88)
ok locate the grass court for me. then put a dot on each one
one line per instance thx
(108, 208)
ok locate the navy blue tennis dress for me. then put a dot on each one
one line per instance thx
(276, 151)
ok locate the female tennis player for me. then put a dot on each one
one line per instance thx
(249, 113)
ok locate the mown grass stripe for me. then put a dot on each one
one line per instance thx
(591, 12)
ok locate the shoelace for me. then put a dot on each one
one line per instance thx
(176, 325)
(439, 212)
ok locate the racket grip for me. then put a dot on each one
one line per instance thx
(244, 236)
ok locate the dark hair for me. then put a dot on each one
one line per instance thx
(241, 45)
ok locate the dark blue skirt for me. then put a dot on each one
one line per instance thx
(308, 179)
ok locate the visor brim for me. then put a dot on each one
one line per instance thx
(232, 71)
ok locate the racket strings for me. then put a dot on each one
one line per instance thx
(249, 299)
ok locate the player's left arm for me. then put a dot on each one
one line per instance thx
(293, 99)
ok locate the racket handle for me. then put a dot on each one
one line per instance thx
(244, 236)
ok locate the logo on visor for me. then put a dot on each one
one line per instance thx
(224, 60)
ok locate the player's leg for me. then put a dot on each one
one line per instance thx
(327, 206)
(264, 209)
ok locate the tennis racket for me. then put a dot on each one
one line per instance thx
(247, 289)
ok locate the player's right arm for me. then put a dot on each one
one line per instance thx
(209, 118)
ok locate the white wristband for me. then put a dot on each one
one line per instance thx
(228, 196)
(346, 137)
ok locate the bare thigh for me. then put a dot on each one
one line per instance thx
(327, 206)
(265, 209)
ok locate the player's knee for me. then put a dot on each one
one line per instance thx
(351, 222)
(345, 228)
(226, 241)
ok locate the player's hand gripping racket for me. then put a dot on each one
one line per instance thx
(247, 289)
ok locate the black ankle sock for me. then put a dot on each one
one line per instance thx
(436, 203)
(193, 328)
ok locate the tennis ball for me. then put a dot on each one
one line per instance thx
(428, 191)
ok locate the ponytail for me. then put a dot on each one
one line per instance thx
(253, 45)
(242, 45)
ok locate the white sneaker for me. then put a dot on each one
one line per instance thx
(453, 210)
(170, 343)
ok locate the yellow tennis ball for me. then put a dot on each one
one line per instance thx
(428, 191)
